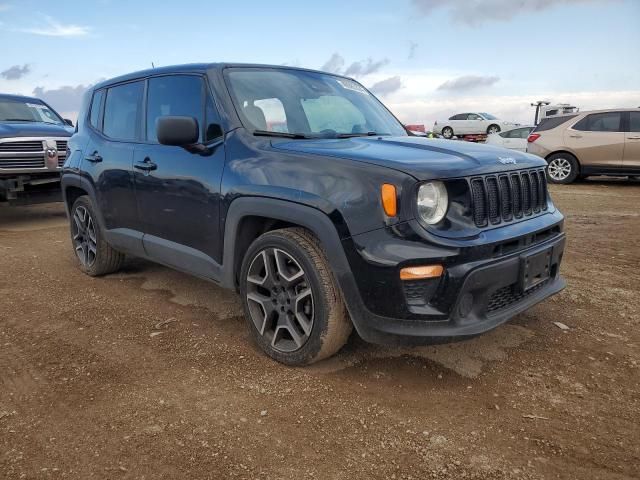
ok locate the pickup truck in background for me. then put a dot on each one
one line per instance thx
(33, 148)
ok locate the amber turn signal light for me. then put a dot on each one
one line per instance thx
(389, 199)
(420, 273)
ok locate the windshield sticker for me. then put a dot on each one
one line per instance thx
(36, 105)
(351, 85)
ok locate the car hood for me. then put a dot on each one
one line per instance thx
(423, 158)
(31, 129)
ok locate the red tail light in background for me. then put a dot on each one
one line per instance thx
(533, 137)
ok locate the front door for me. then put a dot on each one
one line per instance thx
(597, 140)
(178, 190)
(631, 159)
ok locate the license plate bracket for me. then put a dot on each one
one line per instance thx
(535, 268)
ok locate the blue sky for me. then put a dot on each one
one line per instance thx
(427, 58)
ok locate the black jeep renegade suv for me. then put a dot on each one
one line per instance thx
(300, 190)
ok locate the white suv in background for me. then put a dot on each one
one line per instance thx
(471, 123)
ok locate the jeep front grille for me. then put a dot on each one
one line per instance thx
(499, 198)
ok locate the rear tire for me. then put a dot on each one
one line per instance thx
(447, 132)
(94, 255)
(292, 304)
(563, 168)
(493, 128)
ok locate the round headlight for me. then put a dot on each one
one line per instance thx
(432, 202)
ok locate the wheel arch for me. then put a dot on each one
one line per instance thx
(250, 217)
(74, 186)
(567, 152)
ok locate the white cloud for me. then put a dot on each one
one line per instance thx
(16, 72)
(53, 28)
(386, 86)
(475, 12)
(468, 82)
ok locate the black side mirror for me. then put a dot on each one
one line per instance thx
(68, 122)
(177, 131)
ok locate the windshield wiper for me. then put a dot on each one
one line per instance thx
(18, 120)
(268, 133)
(364, 134)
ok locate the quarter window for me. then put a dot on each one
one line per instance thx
(600, 122)
(96, 103)
(122, 111)
(173, 95)
(634, 121)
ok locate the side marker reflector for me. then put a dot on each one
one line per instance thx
(389, 199)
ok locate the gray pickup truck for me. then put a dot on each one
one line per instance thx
(33, 148)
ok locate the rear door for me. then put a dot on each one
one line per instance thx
(178, 191)
(631, 159)
(598, 140)
(114, 129)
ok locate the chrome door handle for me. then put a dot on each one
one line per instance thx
(575, 136)
(93, 158)
(633, 138)
(147, 165)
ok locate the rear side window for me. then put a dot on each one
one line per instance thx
(549, 123)
(460, 116)
(634, 121)
(122, 111)
(96, 103)
(600, 122)
(174, 95)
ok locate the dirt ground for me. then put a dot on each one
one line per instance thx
(150, 374)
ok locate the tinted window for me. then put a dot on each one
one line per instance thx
(549, 123)
(122, 111)
(173, 95)
(213, 129)
(94, 117)
(460, 116)
(600, 122)
(634, 121)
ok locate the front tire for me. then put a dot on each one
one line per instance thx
(447, 132)
(292, 305)
(493, 129)
(94, 255)
(563, 168)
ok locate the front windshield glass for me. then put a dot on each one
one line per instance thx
(488, 116)
(308, 104)
(21, 111)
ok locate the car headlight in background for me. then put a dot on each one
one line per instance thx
(433, 202)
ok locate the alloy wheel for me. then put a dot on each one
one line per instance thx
(559, 169)
(493, 129)
(280, 300)
(84, 236)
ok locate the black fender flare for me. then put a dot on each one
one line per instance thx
(308, 217)
(70, 179)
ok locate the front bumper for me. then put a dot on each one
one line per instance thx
(479, 291)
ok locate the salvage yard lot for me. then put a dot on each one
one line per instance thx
(149, 373)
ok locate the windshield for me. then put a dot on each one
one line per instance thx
(20, 111)
(488, 116)
(307, 104)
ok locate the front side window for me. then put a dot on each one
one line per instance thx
(600, 122)
(16, 110)
(122, 111)
(174, 95)
(488, 116)
(307, 103)
(473, 116)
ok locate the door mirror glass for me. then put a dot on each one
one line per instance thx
(177, 131)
